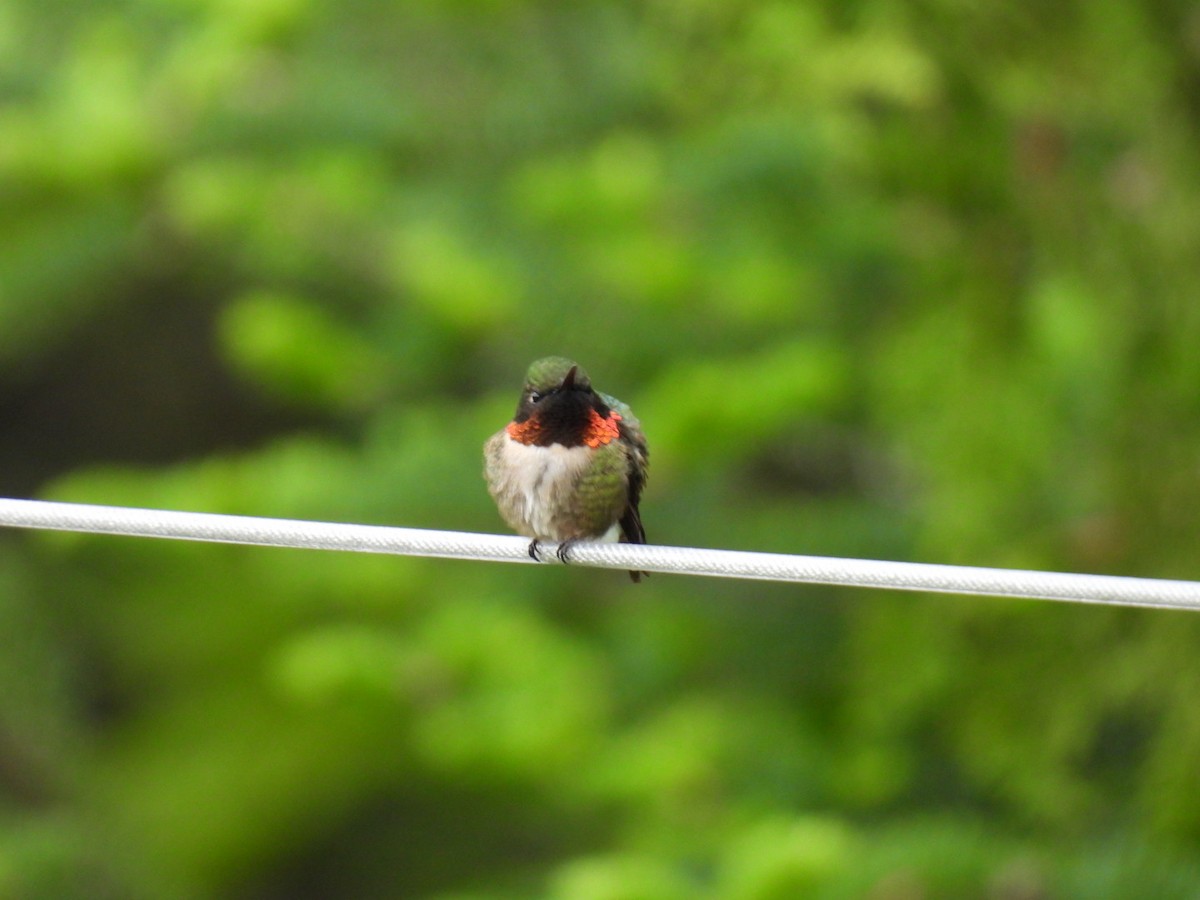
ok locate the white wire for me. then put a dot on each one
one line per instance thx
(160, 523)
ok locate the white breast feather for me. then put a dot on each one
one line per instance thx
(537, 476)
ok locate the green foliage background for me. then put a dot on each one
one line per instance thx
(906, 280)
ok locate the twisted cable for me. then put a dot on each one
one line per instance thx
(908, 576)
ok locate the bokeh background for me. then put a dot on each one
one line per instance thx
(901, 280)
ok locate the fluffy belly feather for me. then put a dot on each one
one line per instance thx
(533, 487)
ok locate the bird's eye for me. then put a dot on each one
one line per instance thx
(535, 396)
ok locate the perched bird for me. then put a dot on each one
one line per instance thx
(571, 464)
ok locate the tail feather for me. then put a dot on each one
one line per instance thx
(632, 532)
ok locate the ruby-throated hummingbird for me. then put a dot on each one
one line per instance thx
(571, 464)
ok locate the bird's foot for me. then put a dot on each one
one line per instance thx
(535, 550)
(564, 550)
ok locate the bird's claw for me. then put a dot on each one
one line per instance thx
(562, 551)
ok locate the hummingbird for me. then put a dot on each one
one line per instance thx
(571, 464)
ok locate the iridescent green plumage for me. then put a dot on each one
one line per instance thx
(548, 372)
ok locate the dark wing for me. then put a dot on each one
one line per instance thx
(630, 428)
(632, 531)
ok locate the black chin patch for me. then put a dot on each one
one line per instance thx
(565, 417)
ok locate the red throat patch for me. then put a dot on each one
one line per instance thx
(524, 432)
(599, 430)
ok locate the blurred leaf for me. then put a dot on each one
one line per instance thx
(299, 350)
(620, 878)
(778, 859)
